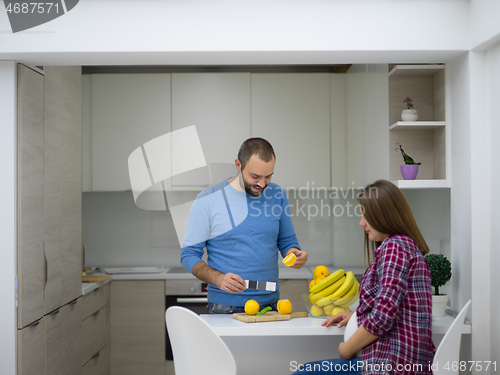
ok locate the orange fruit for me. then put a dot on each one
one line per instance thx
(284, 306)
(311, 284)
(318, 279)
(252, 307)
(320, 271)
(290, 259)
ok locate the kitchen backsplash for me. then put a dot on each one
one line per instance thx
(118, 233)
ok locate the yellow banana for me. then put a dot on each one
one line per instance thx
(350, 297)
(326, 292)
(349, 280)
(330, 279)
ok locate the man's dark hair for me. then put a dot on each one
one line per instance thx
(255, 146)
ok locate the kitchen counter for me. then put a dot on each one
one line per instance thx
(226, 325)
(176, 273)
(282, 346)
(89, 287)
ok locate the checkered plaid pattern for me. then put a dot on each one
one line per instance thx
(396, 305)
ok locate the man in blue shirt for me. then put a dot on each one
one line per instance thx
(243, 222)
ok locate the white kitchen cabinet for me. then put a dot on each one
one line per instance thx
(128, 110)
(137, 327)
(426, 140)
(366, 119)
(218, 104)
(292, 111)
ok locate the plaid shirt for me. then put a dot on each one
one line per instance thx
(395, 304)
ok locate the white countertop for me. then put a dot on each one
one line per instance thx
(89, 287)
(226, 325)
(176, 273)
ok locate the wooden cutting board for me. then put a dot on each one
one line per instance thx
(270, 316)
(94, 278)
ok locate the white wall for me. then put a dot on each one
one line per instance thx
(244, 32)
(492, 93)
(484, 25)
(8, 209)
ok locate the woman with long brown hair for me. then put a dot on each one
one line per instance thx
(394, 316)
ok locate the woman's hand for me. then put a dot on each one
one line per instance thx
(339, 319)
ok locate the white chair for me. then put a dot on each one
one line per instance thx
(449, 347)
(197, 349)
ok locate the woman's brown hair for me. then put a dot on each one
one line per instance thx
(387, 211)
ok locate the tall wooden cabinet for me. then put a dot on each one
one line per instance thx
(137, 309)
(49, 221)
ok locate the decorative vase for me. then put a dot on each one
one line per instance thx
(439, 304)
(409, 171)
(409, 115)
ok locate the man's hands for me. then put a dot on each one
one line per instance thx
(339, 319)
(228, 282)
(301, 257)
(231, 283)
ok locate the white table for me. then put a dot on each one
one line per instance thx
(276, 347)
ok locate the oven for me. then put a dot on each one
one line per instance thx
(183, 289)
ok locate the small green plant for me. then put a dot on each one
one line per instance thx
(406, 158)
(440, 268)
(409, 102)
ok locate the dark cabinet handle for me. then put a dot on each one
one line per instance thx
(96, 355)
(96, 313)
(35, 323)
(54, 312)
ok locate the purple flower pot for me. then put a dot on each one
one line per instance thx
(409, 171)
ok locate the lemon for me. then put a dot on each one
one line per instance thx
(290, 259)
(252, 307)
(328, 309)
(316, 311)
(284, 306)
(337, 310)
(321, 271)
(311, 284)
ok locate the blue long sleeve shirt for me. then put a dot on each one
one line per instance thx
(243, 235)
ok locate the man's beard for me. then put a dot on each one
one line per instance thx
(248, 188)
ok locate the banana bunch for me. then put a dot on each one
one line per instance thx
(334, 294)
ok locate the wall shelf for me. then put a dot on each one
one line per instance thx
(417, 125)
(424, 140)
(422, 184)
(415, 70)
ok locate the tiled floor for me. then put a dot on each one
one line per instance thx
(169, 368)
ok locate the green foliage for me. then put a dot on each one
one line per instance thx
(440, 268)
(407, 159)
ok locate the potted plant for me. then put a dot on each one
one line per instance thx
(440, 268)
(409, 114)
(409, 169)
